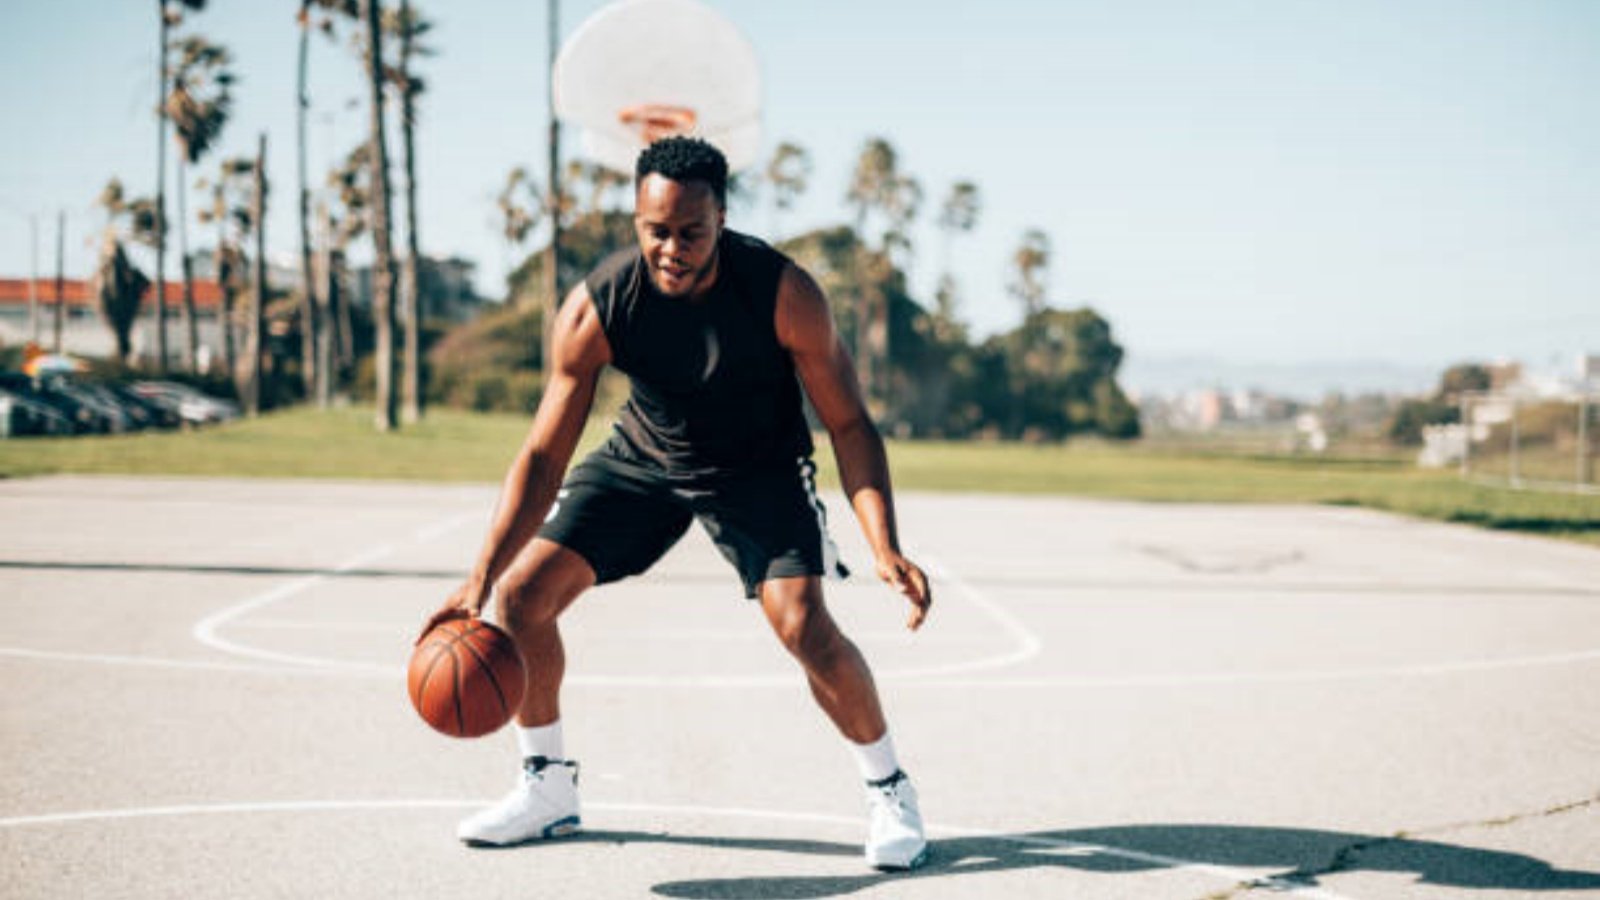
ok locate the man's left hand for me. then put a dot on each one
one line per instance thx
(908, 579)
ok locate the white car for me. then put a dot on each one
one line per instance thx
(195, 406)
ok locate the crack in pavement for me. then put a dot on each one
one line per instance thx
(1343, 857)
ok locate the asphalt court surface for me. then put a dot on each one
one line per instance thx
(205, 697)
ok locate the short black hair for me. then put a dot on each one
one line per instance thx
(685, 159)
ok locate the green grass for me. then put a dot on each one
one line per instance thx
(456, 446)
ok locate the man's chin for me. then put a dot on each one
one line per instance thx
(673, 287)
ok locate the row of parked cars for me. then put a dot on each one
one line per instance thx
(61, 404)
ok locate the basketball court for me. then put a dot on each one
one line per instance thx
(206, 697)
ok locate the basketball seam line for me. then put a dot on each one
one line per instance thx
(487, 670)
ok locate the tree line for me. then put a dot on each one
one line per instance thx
(196, 81)
(923, 373)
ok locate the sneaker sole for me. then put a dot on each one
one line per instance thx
(558, 829)
(916, 863)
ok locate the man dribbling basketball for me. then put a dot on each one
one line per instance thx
(712, 328)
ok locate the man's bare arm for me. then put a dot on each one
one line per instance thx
(580, 353)
(805, 327)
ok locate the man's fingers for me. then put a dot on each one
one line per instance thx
(439, 618)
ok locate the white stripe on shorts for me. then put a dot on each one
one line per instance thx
(832, 566)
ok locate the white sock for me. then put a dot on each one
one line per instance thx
(876, 760)
(541, 740)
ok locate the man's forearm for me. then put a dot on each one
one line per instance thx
(864, 475)
(525, 497)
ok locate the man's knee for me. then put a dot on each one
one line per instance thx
(541, 583)
(804, 625)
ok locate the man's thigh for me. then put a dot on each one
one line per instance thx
(619, 520)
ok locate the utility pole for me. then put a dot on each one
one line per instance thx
(258, 212)
(33, 281)
(61, 275)
(552, 260)
(161, 196)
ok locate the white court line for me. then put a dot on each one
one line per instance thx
(166, 662)
(1202, 679)
(205, 630)
(374, 670)
(439, 529)
(1076, 848)
(1028, 644)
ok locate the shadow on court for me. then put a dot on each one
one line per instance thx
(1293, 857)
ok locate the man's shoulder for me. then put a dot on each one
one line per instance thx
(756, 263)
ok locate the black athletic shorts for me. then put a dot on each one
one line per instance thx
(621, 517)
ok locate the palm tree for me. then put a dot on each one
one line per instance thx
(408, 25)
(346, 218)
(902, 202)
(870, 186)
(230, 212)
(258, 218)
(170, 14)
(383, 299)
(118, 284)
(1032, 263)
(788, 173)
(518, 220)
(198, 106)
(958, 215)
(314, 314)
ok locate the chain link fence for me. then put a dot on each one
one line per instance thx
(1539, 442)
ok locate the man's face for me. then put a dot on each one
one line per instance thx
(678, 225)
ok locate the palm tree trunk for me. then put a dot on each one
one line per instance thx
(552, 260)
(383, 289)
(325, 330)
(411, 380)
(230, 359)
(61, 277)
(161, 193)
(191, 355)
(259, 281)
(310, 359)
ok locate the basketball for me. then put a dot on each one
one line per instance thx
(466, 678)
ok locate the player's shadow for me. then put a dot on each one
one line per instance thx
(1289, 857)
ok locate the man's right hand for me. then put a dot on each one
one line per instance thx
(465, 603)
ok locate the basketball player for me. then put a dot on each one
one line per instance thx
(712, 328)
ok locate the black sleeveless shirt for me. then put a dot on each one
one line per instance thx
(713, 392)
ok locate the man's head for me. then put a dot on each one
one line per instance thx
(680, 191)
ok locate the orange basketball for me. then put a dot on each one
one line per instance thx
(466, 678)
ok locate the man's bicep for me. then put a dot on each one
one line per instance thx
(805, 327)
(580, 353)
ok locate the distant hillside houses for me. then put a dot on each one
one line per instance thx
(1511, 389)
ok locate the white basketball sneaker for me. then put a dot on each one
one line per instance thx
(894, 838)
(544, 804)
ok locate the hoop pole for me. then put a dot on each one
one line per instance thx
(1583, 439)
(1516, 445)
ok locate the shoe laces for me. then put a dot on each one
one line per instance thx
(887, 791)
(533, 767)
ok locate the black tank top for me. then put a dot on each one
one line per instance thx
(713, 392)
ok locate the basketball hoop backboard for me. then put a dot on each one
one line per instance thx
(640, 70)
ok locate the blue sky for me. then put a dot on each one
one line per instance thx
(1285, 182)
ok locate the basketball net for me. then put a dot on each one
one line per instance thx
(654, 121)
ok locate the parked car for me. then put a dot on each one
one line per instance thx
(116, 417)
(85, 419)
(158, 412)
(196, 407)
(23, 415)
